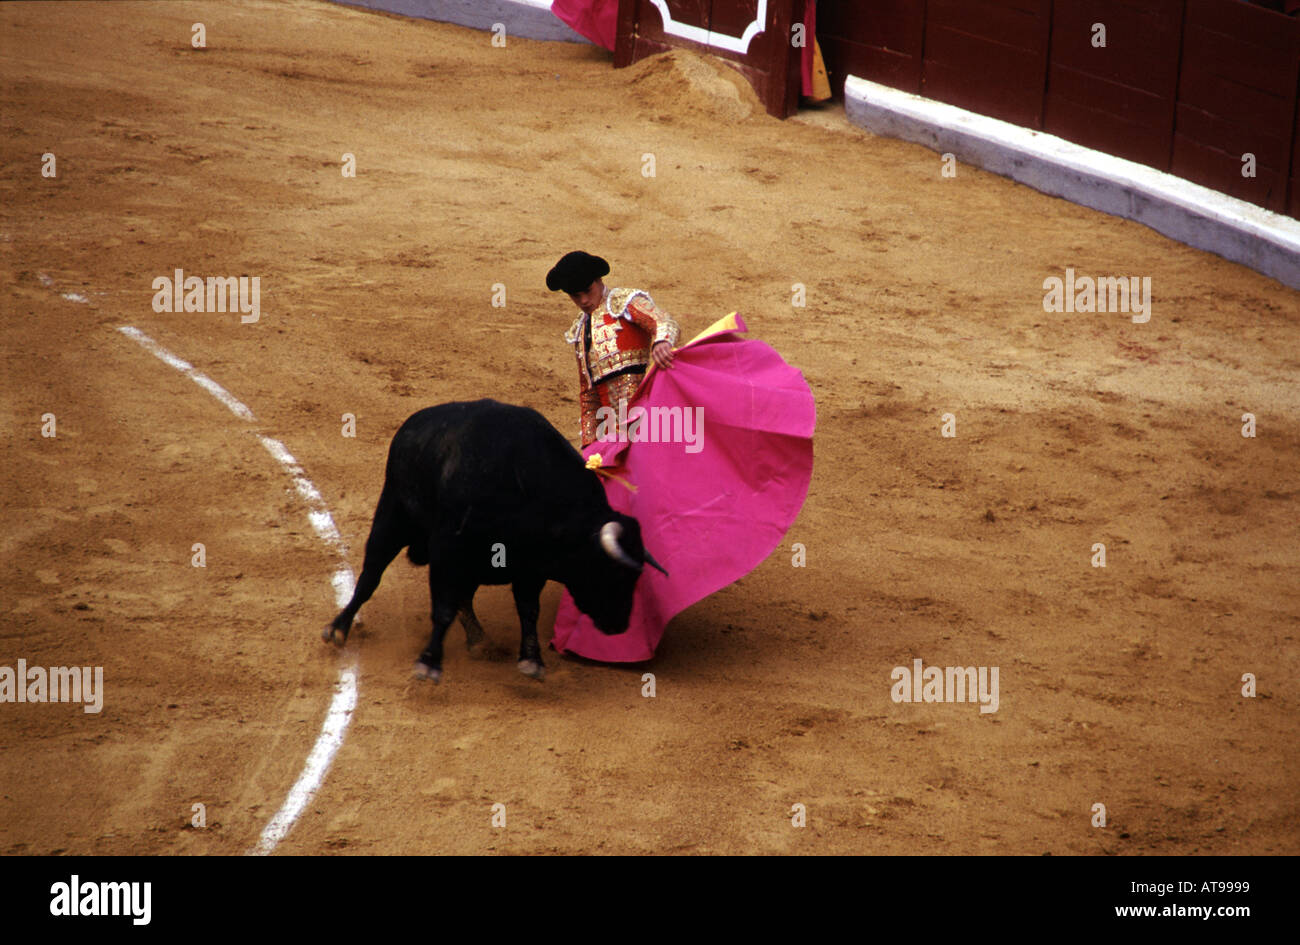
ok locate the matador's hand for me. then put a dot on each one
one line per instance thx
(662, 352)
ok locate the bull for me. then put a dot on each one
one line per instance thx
(487, 493)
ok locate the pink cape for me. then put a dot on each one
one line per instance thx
(595, 19)
(713, 507)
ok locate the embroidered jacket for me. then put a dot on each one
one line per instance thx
(619, 335)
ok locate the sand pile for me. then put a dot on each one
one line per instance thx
(680, 81)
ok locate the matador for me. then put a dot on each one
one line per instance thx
(616, 335)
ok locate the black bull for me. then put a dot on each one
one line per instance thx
(487, 493)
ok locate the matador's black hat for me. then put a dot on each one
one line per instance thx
(575, 272)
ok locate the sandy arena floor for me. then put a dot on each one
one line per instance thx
(479, 165)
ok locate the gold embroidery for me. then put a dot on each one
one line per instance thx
(603, 335)
(574, 332)
(666, 328)
(621, 308)
(617, 299)
(617, 361)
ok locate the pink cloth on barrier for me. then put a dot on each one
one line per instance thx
(806, 56)
(595, 19)
(713, 508)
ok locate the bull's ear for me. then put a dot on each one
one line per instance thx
(629, 532)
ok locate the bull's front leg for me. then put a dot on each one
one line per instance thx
(528, 592)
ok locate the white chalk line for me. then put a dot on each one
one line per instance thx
(198, 377)
(49, 283)
(343, 581)
(318, 763)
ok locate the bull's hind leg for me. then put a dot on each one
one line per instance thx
(385, 541)
(473, 629)
(445, 608)
(528, 592)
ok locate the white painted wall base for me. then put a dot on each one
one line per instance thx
(1206, 219)
(531, 19)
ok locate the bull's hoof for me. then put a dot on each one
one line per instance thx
(423, 670)
(533, 669)
(332, 634)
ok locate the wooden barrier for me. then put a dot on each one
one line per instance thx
(881, 41)
(1236, 97)
(753, 35)
(988, 56)
(1204, 89)
(1118, 98)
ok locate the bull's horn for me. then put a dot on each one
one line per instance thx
(650, 560)
(610, 533)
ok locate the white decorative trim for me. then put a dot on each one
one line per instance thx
(1198, 216)
(697, 34)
